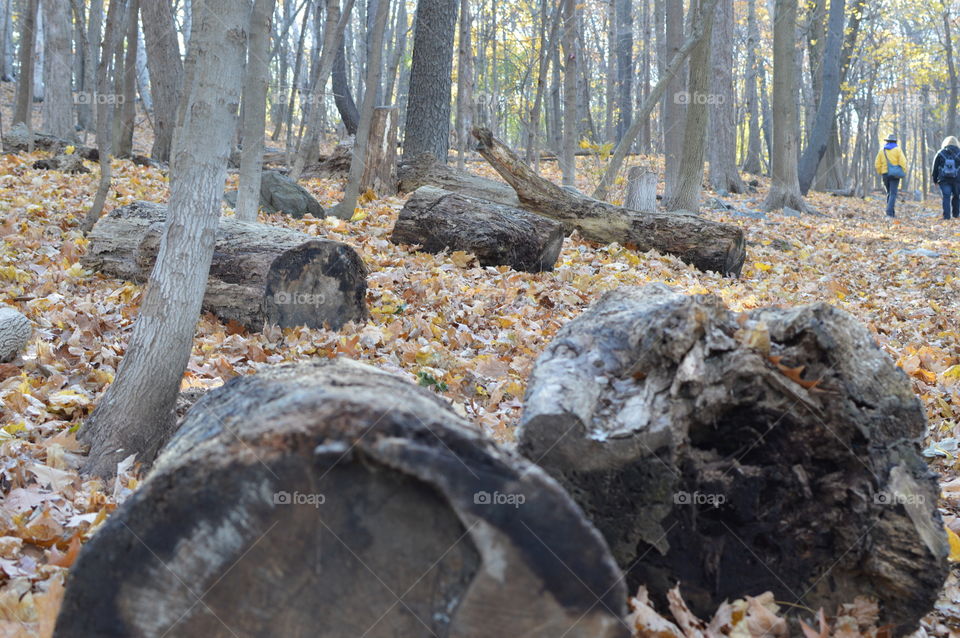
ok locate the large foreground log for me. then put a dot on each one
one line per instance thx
(425, 170)
(260, 274)
(498, 235)
(331, 499)
(775, 450)
(706, 244)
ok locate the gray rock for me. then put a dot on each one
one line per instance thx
(918, 252)
(791, 212)
(15, 331)
(751, 214)
(279, 193)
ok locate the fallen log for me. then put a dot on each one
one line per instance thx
(424, 170)
(337, 500)
(705, 244)
(333, 166)
(498, 235)
(15, 331)
(260, 274)
(773, 450)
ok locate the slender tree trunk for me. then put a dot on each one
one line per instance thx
(721, 136)
(256, 79)
(952, 69)
(785, 189)
(686, 195)
(826, 115)
(751, 163)
(342, 96)
(136, 413)
(128, 109)
(28, 41)
(333, 30)
(166, 73)
(112, 38)
(568, 43)
(91, 57)
(374, 73)
(464, 83)
(547, 42)
(396, 54)
(624, 15)
(673, 107)
(57, 99)
(297, 81)
(427, 127)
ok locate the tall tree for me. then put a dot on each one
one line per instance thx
(624, 30)
(86, 114)
(785, 189)
(342, 96)
(751, 161)
(464, 118)
(256, 78)
(135, 414)
(57, 70)
(166, 72)
(128, 82)
(686, 193)
(28, 42)
(568, 41)
(951, 65)
(427, 127)
(722, 129)
(819, 135)
(673, 107)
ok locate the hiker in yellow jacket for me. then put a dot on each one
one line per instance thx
(892, 167)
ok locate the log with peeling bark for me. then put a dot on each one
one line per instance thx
(259, 275)
(703, 243)
(15, 331)
(333, 499)
(498, 235)
(425, 170)
(739, 453)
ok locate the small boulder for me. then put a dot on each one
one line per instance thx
(279, 193)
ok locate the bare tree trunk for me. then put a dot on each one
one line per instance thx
(128, 107)
(686, 194)
(105, 107)
(952, 68)
(256, 78)
(547, 42)
(333, 28)
(568, 42)
(28, 41)
(342, 96)
(57, 98)
(464, 83)
(624, 15)
(136, 413)
(374, 72)
(785, 189)
(166, 73)
(672, 107)
(91, 60)
(751, 163)
(721, 136)
(427, 127)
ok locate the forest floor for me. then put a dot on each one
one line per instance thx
(469, 333)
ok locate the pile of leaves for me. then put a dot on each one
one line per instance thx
(468, 333)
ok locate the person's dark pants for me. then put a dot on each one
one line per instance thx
(892, 184)
(951, 199)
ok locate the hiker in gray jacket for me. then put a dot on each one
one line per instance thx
(946, 174)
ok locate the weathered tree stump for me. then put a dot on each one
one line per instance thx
(641, 190)
(425, 170)
(260, 274)
(380, 168)
(705, 244)
(773, 450)
(15, 331)
(498, 235)
(332, 499)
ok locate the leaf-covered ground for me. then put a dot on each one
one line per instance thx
(470, 333)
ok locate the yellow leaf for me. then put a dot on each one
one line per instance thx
(762, 266)
(954, 544)
(69, 150)
(358, 215)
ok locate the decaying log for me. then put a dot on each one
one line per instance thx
(773, 450)
(71, 163)
(424, 170)
(706, 244)
(333, 166)
(260, 274)
(15, 331)
(498, 235)
(332, 499)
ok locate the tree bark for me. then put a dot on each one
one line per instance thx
(722, 130)
(425, 170)
(350, 489)
(256, 78)
(166, 73)
(751, 163)
(688, 185)
(259, 274)
(785, 186)
(128, 82)
(464, 117)
(672, 107)
(624, 30)
(57, 98)
(705, 244)
(342, 96)
(826, 115)
(380, 170)
(571, 132)
(775, 450)
(134, 414)
(497, 235)
(641, 190)
(86, 114)
(427, 127)
(23, 106)
(15, 331)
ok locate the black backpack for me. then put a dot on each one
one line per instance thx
(950, 170)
